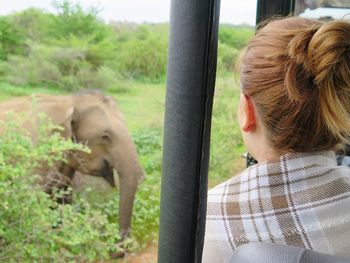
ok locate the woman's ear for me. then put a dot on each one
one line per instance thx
(247, 114)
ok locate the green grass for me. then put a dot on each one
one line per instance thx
(8, 91)
(143, 105)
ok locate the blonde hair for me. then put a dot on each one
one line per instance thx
(297, 72)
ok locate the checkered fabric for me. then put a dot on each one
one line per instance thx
(302, 200)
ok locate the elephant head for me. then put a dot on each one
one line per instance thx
(96, 121)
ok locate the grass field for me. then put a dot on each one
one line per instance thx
(143, 107)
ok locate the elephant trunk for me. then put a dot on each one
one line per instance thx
(130, 174)
(127, 195)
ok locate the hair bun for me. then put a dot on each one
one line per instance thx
(329, 54)
(329, 61)
(319, 62)
(298, 71)
(298, 46)
(319, 56)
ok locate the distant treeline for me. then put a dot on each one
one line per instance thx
(75, 49)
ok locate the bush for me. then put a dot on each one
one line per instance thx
(33, 69)
(11, 41)
(71, 50)
(32, 23)
(32, 226)
(235, 36)
(65, 68)
(97, 53)
(231, 40)
(73, 20)
(147, 205)
(146, 211)
(143, 56)
(227, 58)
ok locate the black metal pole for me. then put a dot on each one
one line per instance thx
(270, 8)
(189, 99)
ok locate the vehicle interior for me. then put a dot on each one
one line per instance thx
(189, 98)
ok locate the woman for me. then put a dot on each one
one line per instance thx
(294, 112)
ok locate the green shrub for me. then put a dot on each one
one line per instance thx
(143, 56)
(227, 58)
(73, 20)
(235, 36)
(11, 41)
(32, 227)
(147, 140)
(33, 69)
(231, 40)
(65, 68)
(96, 53)
(146, 211)
(71, 50)
(32, 23)
(147, 204)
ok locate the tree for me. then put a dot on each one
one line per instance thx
(11, 41)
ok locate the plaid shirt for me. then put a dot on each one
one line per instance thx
(300, 200)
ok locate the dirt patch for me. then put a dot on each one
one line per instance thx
(147, 256)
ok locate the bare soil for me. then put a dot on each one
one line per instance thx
(147, 256)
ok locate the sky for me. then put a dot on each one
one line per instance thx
(231, 11)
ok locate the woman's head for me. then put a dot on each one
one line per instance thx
(296, 72)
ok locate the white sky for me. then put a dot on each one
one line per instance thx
(232, 11)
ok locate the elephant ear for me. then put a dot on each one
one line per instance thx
(70, 122)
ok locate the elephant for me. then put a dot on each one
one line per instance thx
(94, 119)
